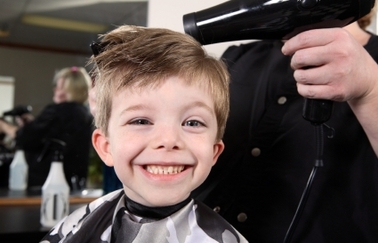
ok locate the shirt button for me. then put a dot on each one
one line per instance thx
(216, 209)
(242, 217)
(256, 152)
(282, 100)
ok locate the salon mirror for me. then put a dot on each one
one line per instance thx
(38, 37)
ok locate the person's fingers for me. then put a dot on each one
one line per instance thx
(312, 57)
(307, 39)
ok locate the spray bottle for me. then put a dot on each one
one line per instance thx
(18, 171)
(55, 190)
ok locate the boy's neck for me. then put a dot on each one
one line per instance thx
(155, 213)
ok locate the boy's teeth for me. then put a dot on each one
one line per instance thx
(158, 169)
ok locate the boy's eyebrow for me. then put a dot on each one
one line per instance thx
(135, 108)
(201, 104)
(192, 104)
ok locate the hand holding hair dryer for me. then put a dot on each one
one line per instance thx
(275, 19)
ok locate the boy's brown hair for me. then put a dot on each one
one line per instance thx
(140, 57)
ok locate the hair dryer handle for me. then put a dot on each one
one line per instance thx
(317, 111)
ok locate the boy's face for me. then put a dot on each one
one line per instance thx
(161, 141)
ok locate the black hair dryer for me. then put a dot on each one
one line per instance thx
(275, 19)
(18, 110)
(270, 19)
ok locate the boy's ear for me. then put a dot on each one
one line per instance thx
(218, 149)
(101, 145)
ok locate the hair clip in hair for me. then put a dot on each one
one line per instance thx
(74, 69)
(97, 47)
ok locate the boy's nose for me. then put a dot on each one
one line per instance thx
(168, 137)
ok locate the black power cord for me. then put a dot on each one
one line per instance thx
(317, 112)
(318, 163)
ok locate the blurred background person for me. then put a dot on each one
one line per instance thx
(67, 119)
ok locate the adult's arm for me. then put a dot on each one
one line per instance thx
(340, 70)
(33, 134)
(8, 129)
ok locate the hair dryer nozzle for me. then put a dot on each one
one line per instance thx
(18, 110)
(190, 26)
(268, 19)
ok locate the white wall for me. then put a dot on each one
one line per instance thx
(374, 25)
(6, 93)
(169, 13)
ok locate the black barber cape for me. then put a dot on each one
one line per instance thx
(95, 223)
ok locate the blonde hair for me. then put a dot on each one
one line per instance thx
(365, 21)
(145, 57)
(76, 83)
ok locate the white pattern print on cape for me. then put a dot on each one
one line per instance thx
(194, 223)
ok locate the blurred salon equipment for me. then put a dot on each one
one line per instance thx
(19, 110)
(7, 149)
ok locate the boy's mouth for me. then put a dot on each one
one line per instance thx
(164, 170)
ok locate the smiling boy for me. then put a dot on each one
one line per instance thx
(161, 110)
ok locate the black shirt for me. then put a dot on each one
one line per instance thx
(270, 150)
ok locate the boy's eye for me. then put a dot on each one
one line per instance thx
(140, 122)
(193, 123)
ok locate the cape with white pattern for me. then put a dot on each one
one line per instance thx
(194, 223)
